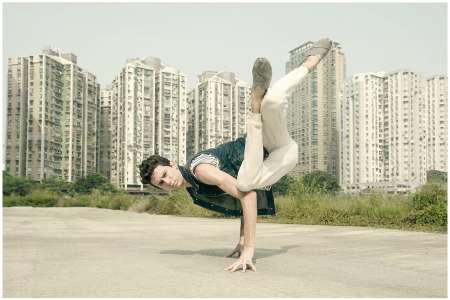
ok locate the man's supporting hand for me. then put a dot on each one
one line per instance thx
(211, 175)
(244, 261)
(249, 209)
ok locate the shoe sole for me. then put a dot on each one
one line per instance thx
(262, 73)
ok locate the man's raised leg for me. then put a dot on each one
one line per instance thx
(267, 125)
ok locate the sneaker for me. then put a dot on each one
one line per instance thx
(319, 48)
(262, 74)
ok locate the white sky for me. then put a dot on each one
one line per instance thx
(213, 36)
(228, 37)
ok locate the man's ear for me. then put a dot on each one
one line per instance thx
(172, 164)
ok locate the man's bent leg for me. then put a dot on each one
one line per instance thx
(273, 134)
(274, 110)
(255, 172)
(274, 106)
(270, 129)
(253, 153)
(260, 175)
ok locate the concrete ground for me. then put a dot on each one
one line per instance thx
(89, 252)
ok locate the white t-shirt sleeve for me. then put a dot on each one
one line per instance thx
(204, 159)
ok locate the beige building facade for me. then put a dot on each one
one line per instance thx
(52, 117)
(363, 131)
(104, 134)
(436, 99)
(313, 113)
(217, 110)
(393, 126)
(148, 116)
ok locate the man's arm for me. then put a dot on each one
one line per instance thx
(240, 245)
(209, 174)
(241, 232)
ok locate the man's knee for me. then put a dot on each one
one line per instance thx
(272, 101)
(244, 185)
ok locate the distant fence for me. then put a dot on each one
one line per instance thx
(146, 190)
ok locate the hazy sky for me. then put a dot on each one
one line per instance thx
(227, 37)
(213, 36)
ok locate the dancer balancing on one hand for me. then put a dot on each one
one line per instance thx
(235, 178)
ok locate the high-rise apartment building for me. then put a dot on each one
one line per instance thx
(363, 131)
(407, 129)
(191, 132)
(312, 113)
(171, 113)
(383, 132)
(217, 110)
(148, 110)
(90, 124)
(17, 116)
(436, 101)
(104, 134)
(52, 113)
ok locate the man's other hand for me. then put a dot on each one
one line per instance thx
(237, 250)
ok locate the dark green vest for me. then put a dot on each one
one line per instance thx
(230, 156)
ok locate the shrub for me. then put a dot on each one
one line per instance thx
(11, 200)
(322, 208)
(122, 201)
(37, 198)
(56, 185)
(74, 201)
(86, 184)
(319, 181)
(282, 186)
(16, 185)
(173, 204)
(429, 206)
(141, 205)
(429, 194)
(434, 214)
(296, 187)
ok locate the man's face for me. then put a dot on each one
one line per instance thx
(167, 178)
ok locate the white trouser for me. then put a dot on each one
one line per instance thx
(269, 129)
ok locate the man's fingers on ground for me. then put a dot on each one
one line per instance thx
(234, 266)
(230, 267)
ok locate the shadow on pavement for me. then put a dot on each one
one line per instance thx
(221, 252)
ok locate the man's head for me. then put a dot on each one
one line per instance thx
(161, 173)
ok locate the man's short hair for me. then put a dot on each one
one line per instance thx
(149, 165)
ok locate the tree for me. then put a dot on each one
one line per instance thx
(56, 184)
(281, 187)
(16, 185)
(320, 181)
(85, 185)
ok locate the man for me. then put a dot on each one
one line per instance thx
(235, 177)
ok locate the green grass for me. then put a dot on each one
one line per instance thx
(425, 210)
(374, 210)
